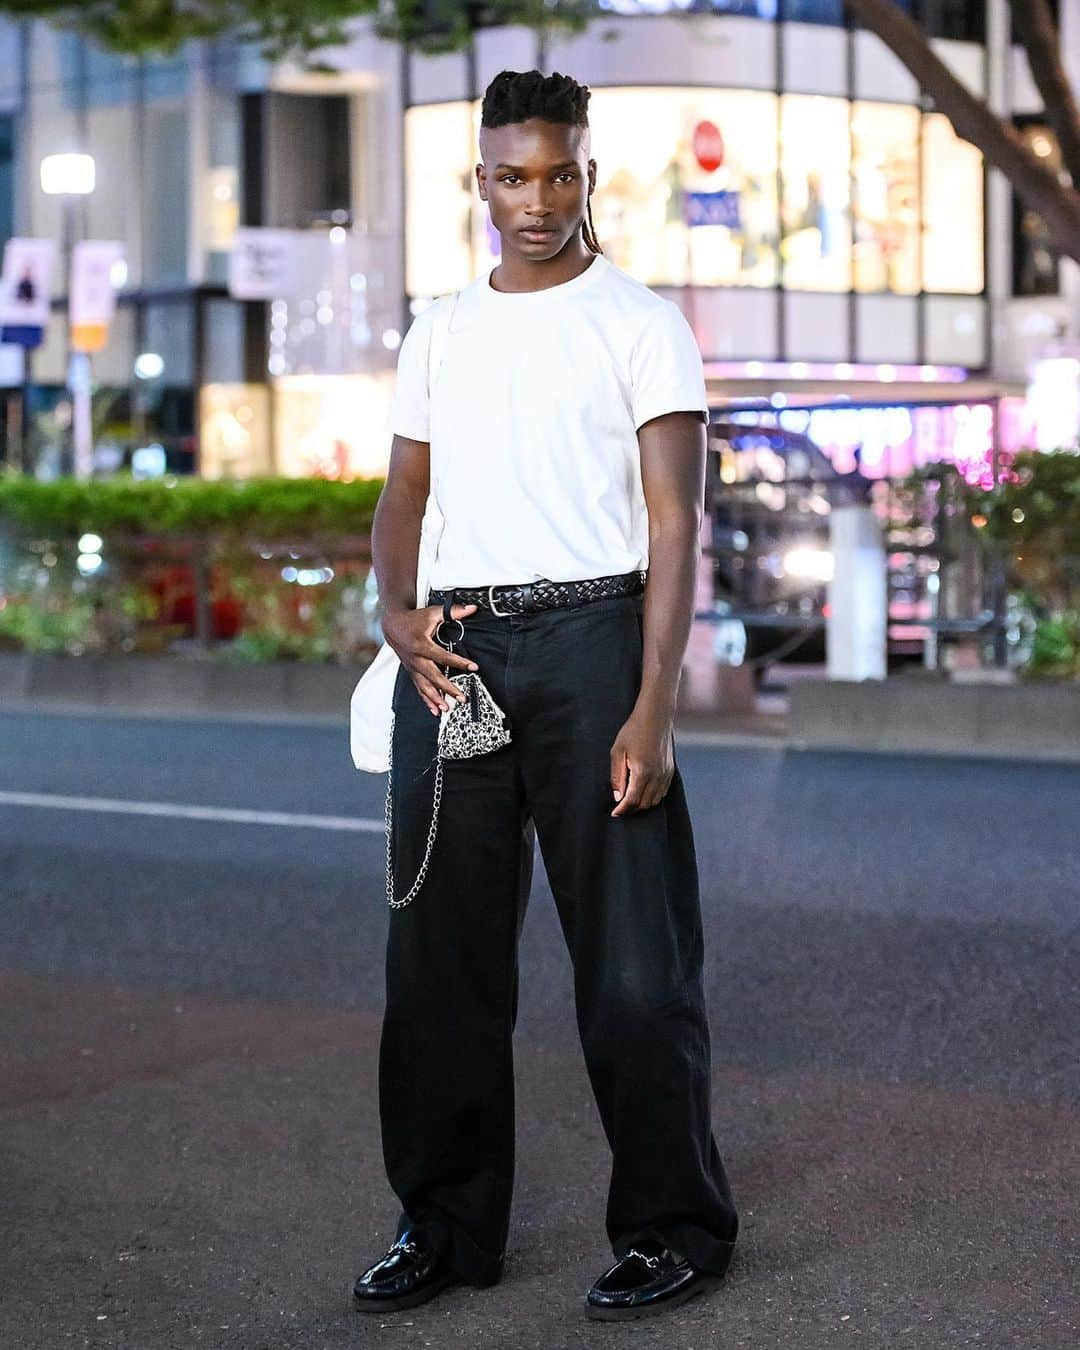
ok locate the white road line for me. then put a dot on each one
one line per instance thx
(178, 809)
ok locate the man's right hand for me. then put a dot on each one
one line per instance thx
(411, 634)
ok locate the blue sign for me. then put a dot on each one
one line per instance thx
(22, 335)
(714, 208)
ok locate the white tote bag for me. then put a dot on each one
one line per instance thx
(369, 707)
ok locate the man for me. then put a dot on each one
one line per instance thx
(563, 439)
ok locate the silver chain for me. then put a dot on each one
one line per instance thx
(455, 752)
(389, 813)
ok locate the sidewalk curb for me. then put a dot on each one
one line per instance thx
(1032, 721)
(899, 716)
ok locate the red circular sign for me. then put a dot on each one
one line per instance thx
(708, 145)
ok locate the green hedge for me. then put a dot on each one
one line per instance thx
(266, 508)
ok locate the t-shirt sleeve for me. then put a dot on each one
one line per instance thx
(409, 403)
(666, 373)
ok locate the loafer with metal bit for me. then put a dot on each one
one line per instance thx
(649, 1279)
(410, 1273)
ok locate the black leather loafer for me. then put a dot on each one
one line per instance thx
(411, 1272)
(649, 1279)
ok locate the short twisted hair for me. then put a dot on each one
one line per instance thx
(517, 95)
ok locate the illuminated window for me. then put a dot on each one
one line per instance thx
(686, 184)
(440, 190)
(886, 197)
(815, 209)
(952, 210)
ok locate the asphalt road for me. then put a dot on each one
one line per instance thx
(192, 920)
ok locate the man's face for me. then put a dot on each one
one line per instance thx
(535, 174)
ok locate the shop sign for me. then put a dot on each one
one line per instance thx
(26, 290)
(714, 208)
(263, 264)
(95, 265)
(708, 145)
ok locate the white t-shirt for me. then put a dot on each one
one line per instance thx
(532, 423)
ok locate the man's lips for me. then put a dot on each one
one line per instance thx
(534, 229)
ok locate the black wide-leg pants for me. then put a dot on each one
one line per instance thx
(626, 890)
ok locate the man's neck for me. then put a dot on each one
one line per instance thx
(523, 274)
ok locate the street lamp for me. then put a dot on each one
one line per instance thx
(71, 178)
(67, 175)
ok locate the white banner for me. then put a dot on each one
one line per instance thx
(93, 281)
(292, 264)
(263, 263)
(26, 284)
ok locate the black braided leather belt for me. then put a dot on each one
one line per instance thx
(531, 596)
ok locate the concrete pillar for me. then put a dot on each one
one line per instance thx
(857, 596)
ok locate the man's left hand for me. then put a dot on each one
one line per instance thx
(642, 762)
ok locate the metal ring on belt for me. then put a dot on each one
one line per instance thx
(531, 596)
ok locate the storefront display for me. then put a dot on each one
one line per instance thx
(815, 208)
(332, 426)
(952, 180)
(728, 188)
(686, 188)
(234, 430)
(324, 426)
(885, 158)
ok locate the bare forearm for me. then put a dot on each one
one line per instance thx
(395, 546)
(674, 550)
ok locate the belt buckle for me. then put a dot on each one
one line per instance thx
(499, 613)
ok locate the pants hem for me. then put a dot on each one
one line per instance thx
(701, 1248)
(469, 1263)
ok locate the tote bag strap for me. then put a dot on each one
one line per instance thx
(431, 526)
(440, 326)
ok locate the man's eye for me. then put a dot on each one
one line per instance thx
(566, 173)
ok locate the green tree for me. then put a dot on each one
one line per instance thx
(290, 28)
